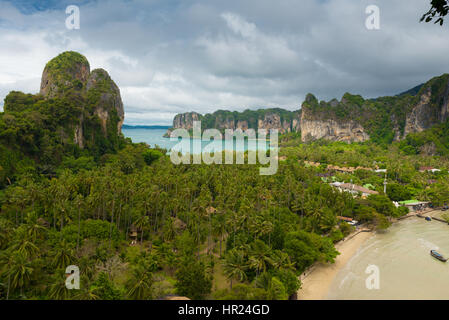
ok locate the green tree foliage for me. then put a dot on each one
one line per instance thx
(438, 10)
(192, 280)
(151, 155)
(140, 227)
(105, 289)
(306, 248)
(398, 192)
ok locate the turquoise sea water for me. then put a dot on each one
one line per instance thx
(406, 269)
(155, 137)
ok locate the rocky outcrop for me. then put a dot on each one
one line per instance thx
(432, 107)
(222, 123)
(185, 120)
(242, 125)
(108, 101)
(66, 71)
(96, 97)
(319, 121)
(418, 119)
(347, 131)
(282, 120)
(352, 119)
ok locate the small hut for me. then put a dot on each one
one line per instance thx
(179, 224)
(133, 234)
(43, 222)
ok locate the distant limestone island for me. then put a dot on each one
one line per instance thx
(352, 119)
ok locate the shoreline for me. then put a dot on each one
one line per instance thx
(316, 281)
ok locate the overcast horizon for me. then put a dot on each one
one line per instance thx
(169, 57)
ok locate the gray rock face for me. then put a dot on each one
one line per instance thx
(109, 100)
(347, 131)
(242, 125)
(321, 120)
(69, 73)
(185, 120)
(419, 120)
(271, 120)
(226, 123)
(424, 114)
(68, 70)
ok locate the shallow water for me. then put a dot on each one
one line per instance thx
(406, 269)
(155, 137)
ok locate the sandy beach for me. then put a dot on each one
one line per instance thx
(317, 280)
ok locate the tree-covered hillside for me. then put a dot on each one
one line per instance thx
(74, 191)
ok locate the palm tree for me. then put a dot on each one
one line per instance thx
(260, 256)
(23, 245)
(6, 261)
(219, 228)
(142, 223)
(235, 266)
(281, 260)
(58, 289)
(63, 256)
(19, 271)
(140, 284)
(86, 293)
(34, 228)
(5, 233)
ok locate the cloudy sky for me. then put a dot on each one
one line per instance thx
(173, 56)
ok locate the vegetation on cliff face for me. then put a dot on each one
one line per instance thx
(67, 71)
(434, 141)
(223, 119)
(383, 118)
(37, 132)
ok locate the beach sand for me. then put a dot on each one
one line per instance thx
(317, 281)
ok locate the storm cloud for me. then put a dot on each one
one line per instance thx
(176, 56)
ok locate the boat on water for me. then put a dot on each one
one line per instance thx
(438, 256)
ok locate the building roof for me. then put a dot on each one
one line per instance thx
(350, 186)
(347, 169)
(412, 202)
(344, 218)
(311, 163)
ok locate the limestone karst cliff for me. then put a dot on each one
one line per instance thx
(352, 119)
(96, 96)
(282, 120)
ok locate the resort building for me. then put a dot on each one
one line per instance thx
(414, 205)
(348, 220)
(428, 169)
(354, 189)
(311, 164)
(347, 169)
